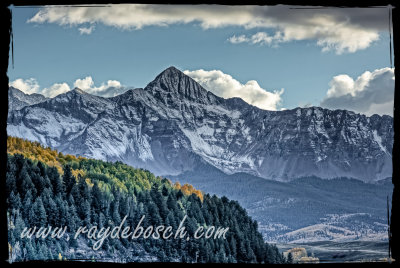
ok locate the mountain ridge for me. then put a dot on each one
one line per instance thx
(173, 123)
(19, 99)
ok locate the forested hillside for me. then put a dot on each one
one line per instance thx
(47, 188)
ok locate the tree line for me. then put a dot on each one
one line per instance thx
(88, 192)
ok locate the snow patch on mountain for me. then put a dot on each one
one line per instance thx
(378, 140)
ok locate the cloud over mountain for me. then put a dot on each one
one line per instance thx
(55, 90)
(29, 86)
(110, 89)
(371, 93)
(226, 86)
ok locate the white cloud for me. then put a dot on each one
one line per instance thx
(346, 39)
(28, 86)
(226, 86)
(31, 85)
(371, 93)
(238, 39)
(84, 84)
(86, 30)
(339, 38)
(338, 29)
(55, 90)
(261, 38)
(110, 89)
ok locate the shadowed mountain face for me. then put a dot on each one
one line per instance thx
(305, 209)
(173, 124)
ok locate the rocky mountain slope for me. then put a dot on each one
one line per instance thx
(18, 99)
(173, 125)
(305, 209)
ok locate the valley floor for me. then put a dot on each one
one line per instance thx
(328, 251)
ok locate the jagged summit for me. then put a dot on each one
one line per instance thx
(14, 90)
(172, 69)
(17, 99)
(173, 83)
(171, 73)
(78, 90)
(11, 88)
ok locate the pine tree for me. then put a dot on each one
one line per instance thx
(171, 203)
(38, 214)
(53, 213)
(30, 250)
(68, 179)
(55, 181)
(97, 198)
(11, 177)
(290, 258)
(14, 201)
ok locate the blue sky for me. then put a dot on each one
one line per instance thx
(276, 48)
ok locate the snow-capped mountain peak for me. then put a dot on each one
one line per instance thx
(174, 124)
(18, 99)
(172, 83)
